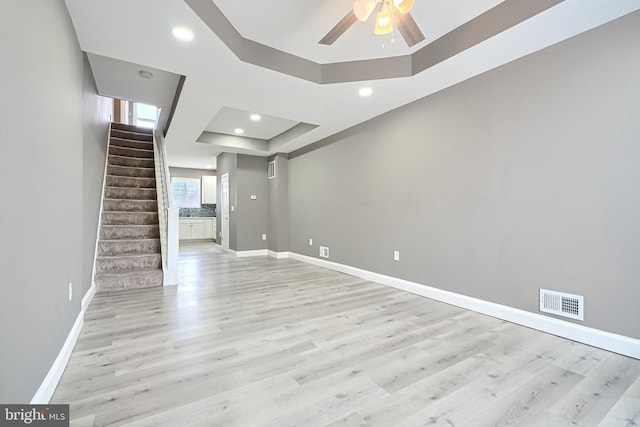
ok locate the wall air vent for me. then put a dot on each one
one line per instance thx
(324, 252)
(562, 304)
(271, 169)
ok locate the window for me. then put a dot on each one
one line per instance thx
(138, 114)
(186, 192)
(145, 115)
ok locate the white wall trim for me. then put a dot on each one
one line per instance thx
(245, 254)
(278, 255)
(50, 382)
(86, 299)
(104, 187)
(590, 336)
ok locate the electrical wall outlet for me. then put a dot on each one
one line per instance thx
(310, 242)
(264, 237)
(324, 252)
(70, 291)
(396, 255)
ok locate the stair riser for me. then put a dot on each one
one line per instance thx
(116, 133)
(130, 193)
(130, 152)
(118, 265)
(129, 182)
(148, 279)
(131, 162)
(130, 128)
(131, 143)
(111, 248)
(136, 172)
(130, 205)
(120, 232)
(129, 218)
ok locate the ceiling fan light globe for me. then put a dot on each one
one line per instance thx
(403, 6)
(384, 24)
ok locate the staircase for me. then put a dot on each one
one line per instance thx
(129, 254)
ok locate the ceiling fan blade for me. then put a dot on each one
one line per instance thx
(408, 28)
(342, 26)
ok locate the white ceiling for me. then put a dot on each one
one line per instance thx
(218, 81)
(227, 120)
(121, 79)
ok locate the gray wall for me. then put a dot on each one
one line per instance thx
(521, 178)
(191, 173)
(247, 223)
(47, 213)
(278, 209)
(251, 215)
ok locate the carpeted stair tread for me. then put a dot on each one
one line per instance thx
(130, 152)
(131, 143)
(131, 171)
(131, 135)
(128, 246)
(135, 279)
(129, 218)
(130, 205)
(116, 160)
(127, 262)
(130, 193)
(127, 232)
(130, 182)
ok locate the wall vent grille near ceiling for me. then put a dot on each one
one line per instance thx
(562, 304)
(271, 169)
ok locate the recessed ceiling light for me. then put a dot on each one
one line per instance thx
(145, 74)
(239, 131)
(365, 91)
(255, 117)
(182, 33)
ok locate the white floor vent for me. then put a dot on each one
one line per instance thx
(324, 252)
(562, 304)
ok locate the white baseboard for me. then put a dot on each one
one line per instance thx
(50, 382)
(278, 255)
(88, 296)
(245, 254)
(590, 336)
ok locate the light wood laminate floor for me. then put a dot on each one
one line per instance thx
(266, 342)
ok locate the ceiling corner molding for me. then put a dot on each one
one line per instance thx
(500, 18)
(289, 135)
(235, 143)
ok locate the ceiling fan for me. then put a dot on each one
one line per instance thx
(390, 13)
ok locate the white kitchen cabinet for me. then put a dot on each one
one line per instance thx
(208, 228)
(196, 228)
(209, 190)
